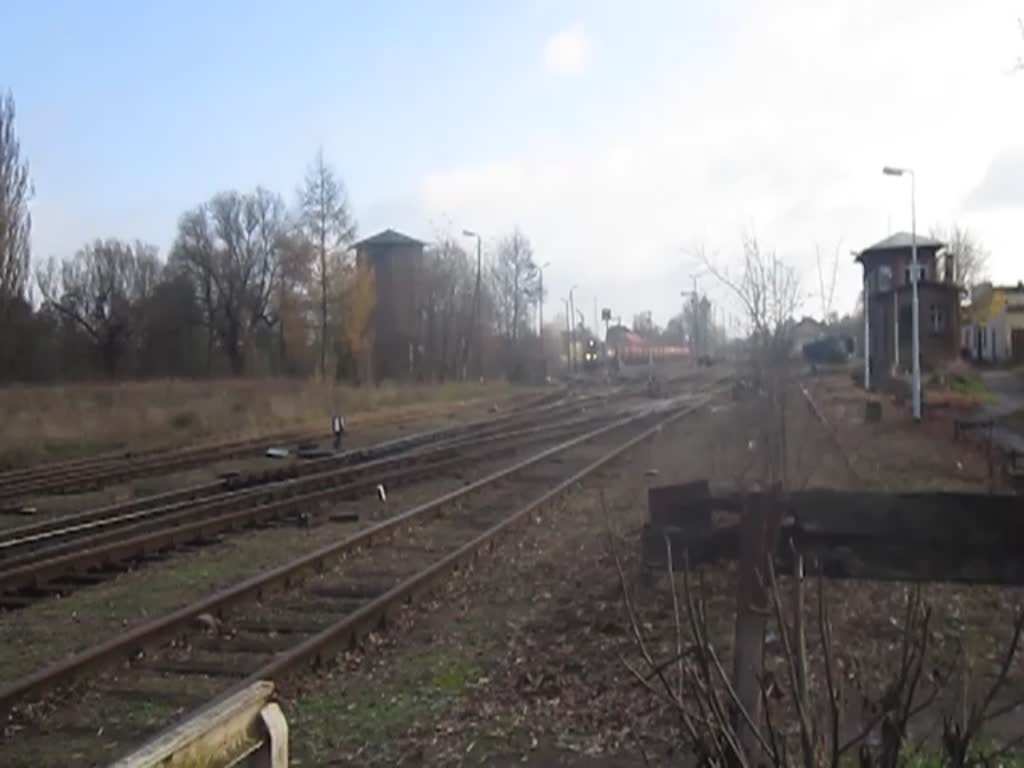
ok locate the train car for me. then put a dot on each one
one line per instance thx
(629, 348)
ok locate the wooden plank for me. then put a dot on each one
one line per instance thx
(205, 667)
(964, 538)
(673, 505)
(244, 643)
(854, 558)
(952, 517)
(995, 519)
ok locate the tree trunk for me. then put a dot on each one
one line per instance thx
(323, 303)
(108, 352)
(515, 302)
(236, 358)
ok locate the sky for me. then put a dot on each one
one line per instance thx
(624, 138)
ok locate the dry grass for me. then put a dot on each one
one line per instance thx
(46, 423)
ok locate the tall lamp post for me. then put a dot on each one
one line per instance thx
(476, 303)
(915, 319)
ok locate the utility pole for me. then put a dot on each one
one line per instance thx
(568, 336)
(540, 309)
(540, 313)
(476, 303)
(572, 324)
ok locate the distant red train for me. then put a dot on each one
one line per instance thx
(632, 349)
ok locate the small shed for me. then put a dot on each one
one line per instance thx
(397, 262)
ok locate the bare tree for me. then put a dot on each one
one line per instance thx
(827, 282)
(100, 290)
(769, 291)
(446, 295)
(767, 288)
(231, 248)
(515, 279)
(15, 220)
(292, 303)
(964, 258)
(325, 218)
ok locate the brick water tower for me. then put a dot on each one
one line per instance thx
(397, 263)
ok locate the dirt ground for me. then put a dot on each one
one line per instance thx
(524, 660)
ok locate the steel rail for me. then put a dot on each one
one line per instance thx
(148, 634)
(155, 462)
(202, 522)
(291, 480)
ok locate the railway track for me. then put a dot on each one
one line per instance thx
(59, 556)
(96, 472)
(296, 614)
(288, 469)
(89, 474)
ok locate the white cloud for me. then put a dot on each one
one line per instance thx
(786, 134)
(569, 52)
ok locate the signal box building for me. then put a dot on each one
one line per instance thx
(888, 291)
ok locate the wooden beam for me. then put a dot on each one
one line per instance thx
(246, 726)
(969, 538)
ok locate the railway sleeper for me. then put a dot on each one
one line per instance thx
(350, 591)
(208, 667)
(247, 642)
(183, 698)
(280, 626)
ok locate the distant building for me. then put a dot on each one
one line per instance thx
(397, 262)
(806, 331)
(887, 266)
(993, 327)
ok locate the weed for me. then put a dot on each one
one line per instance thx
(418, 687)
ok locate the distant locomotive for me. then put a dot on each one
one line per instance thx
(591, 355)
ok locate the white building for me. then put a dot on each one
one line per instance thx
(993, 329)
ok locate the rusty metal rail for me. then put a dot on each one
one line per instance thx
(95, 518)
(833, 435)
(431, 545)
(125, 538)
(91, 473)
(256, 485)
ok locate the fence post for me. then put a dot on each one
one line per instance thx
(759, 529)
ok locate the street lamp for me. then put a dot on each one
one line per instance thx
(476, 303)
(915, 320)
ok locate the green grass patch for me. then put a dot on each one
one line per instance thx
(971, 386)
(937, 759)
(376, 712)
(50, 629)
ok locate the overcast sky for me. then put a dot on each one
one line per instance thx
(620, 136)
